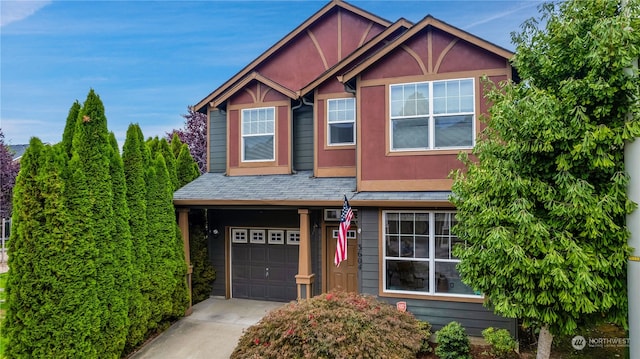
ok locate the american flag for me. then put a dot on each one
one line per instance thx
(345, 223)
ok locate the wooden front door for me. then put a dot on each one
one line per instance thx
(344, 277)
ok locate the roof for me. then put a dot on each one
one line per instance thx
(299, 189)
(17, 151)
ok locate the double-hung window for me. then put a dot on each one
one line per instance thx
(432, 115)
(258, 132)
(341, 119)
(418, 256)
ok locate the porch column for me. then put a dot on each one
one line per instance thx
(183, 223)
(304, 278)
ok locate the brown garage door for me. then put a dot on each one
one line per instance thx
(264, 271)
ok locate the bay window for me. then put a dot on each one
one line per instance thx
(432, 115)
(258, 134)
(417, 252)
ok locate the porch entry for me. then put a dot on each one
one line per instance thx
(344, 277)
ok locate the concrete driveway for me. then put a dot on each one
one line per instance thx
(211, 331)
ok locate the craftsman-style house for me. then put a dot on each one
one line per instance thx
(346, 104)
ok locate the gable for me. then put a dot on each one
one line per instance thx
(433, 51)
(309, 50)
(425, 46)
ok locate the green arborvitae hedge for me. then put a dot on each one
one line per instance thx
(52, 296)
(167, 262)
(122, 243)
(70, 127)
(91, 156)
(96, 257)
(186, 167)
(136, 158)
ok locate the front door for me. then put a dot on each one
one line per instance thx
(344, 277)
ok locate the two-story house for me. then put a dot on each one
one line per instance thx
(346, 104)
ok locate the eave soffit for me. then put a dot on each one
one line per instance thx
(428, 21)
(284, 42)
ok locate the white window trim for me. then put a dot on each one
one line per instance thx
(243, 136)
(338, 122)
(431, 260)
(432, 117)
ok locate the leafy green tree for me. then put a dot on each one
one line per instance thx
(136, 161)
(542, 203)
(194, 134)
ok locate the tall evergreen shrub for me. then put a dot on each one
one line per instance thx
(91, 152)
(136, 160)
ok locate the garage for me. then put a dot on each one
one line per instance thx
(264, 263)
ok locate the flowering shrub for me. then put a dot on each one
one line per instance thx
(333, 325)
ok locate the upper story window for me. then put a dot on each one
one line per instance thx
(432, 115)
(341, 119)
(258, 132)
(418, 258)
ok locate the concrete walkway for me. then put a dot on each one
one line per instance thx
(211, 331)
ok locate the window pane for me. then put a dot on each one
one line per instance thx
(442, 247)
(454, 131)
(341, 133)
(397, 101)
(453, 104)
(410, 133)
(439, 89)
(393, 246)
(466, 104)
(258, 121)
(406, 223)
(448, 279)
(443, 223)
(422, 247)
(406, 246)
(392, 223)
(258, 148)
(407, 275)
(466, 87)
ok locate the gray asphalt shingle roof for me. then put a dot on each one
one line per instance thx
(301, 186)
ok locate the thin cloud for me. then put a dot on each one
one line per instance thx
(501, 15)
(13, 11)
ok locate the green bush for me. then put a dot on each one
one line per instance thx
(502, 344)
(425, 330)
(333, 325)
(453, 342)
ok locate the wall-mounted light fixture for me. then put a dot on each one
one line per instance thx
(215, 233)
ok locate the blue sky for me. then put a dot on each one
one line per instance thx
(149, 60)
